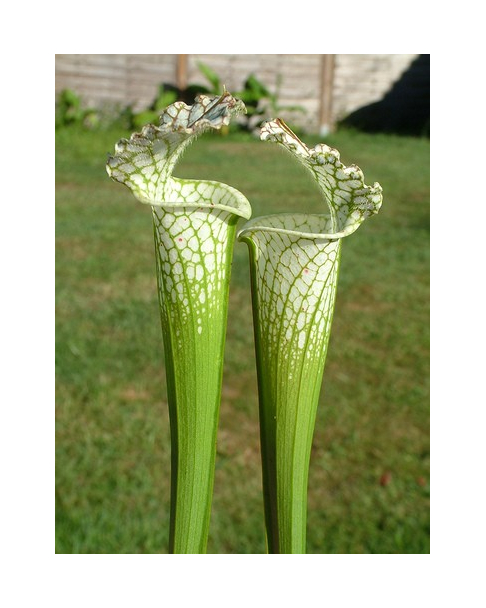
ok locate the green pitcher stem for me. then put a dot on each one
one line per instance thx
(193, 252)
(293, 293)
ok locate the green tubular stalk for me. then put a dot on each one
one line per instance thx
(194, 231)
(193, 296)
(294, 262)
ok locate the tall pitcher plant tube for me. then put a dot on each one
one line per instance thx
(294, 263)
(194, 228)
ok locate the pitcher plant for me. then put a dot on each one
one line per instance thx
(194, 224)
(294, 265)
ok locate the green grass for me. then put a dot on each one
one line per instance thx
(369, 476)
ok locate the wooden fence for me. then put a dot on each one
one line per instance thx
(328, 87)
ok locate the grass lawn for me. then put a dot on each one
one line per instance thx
(369, 475)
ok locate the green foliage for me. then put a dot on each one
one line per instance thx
(165, 97)
(168, 94)
(213, 79)
(369, 475)
(69, 111)
(261, 103)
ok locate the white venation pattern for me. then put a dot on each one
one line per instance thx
(297, 255)
(192, 265)
(295, 277)
(194, 220)
(145, 162)
(348, 200)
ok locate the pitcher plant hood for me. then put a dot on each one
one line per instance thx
(348, 200)
(145, 162)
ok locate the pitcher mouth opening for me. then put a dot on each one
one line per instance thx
(205, 194)
(302, 225)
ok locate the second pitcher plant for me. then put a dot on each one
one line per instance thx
(294, 262)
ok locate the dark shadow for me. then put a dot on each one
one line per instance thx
(404, 110)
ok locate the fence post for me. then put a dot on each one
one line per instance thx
(181, 72)
(327, 90)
